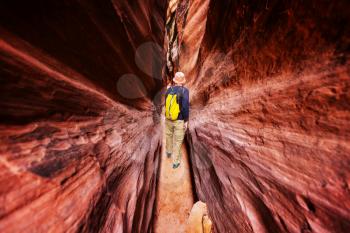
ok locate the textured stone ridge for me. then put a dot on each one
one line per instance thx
(75, 154)
(270, 119)
(270, 113)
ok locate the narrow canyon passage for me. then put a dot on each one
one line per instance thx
(175, 196)
(81, 93)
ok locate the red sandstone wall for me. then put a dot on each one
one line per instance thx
(78, 150)
(270, 119)
(269, 129)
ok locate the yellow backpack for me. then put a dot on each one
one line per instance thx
(172, 107)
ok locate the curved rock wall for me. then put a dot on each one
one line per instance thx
(79, 143)
(270, 114)
(269, 129)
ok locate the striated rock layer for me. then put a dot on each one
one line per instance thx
(270, 114)
(269, 134)
(79, 143)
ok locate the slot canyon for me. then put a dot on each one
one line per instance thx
(82, 87)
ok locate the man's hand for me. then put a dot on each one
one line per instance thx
(186, 125)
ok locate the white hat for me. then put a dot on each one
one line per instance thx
(179, 78)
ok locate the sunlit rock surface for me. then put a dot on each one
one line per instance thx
(270, 115)
(198, 221)
(79, 148)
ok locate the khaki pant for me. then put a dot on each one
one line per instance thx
(175, 133)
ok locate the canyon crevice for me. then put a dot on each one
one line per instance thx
(81, 86)
(78, 154)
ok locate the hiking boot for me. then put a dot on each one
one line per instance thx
(176, 165)
(168, 154)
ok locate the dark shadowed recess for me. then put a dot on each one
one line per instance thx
(89, 37)
(187, 142)
(28, 95)
(264, 18)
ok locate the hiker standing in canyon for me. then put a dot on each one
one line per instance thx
(176, 117)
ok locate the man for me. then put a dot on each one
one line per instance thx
(176, 117)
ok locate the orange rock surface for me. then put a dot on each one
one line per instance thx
(175, 196)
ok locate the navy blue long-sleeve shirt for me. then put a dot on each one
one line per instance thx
(184, 100)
